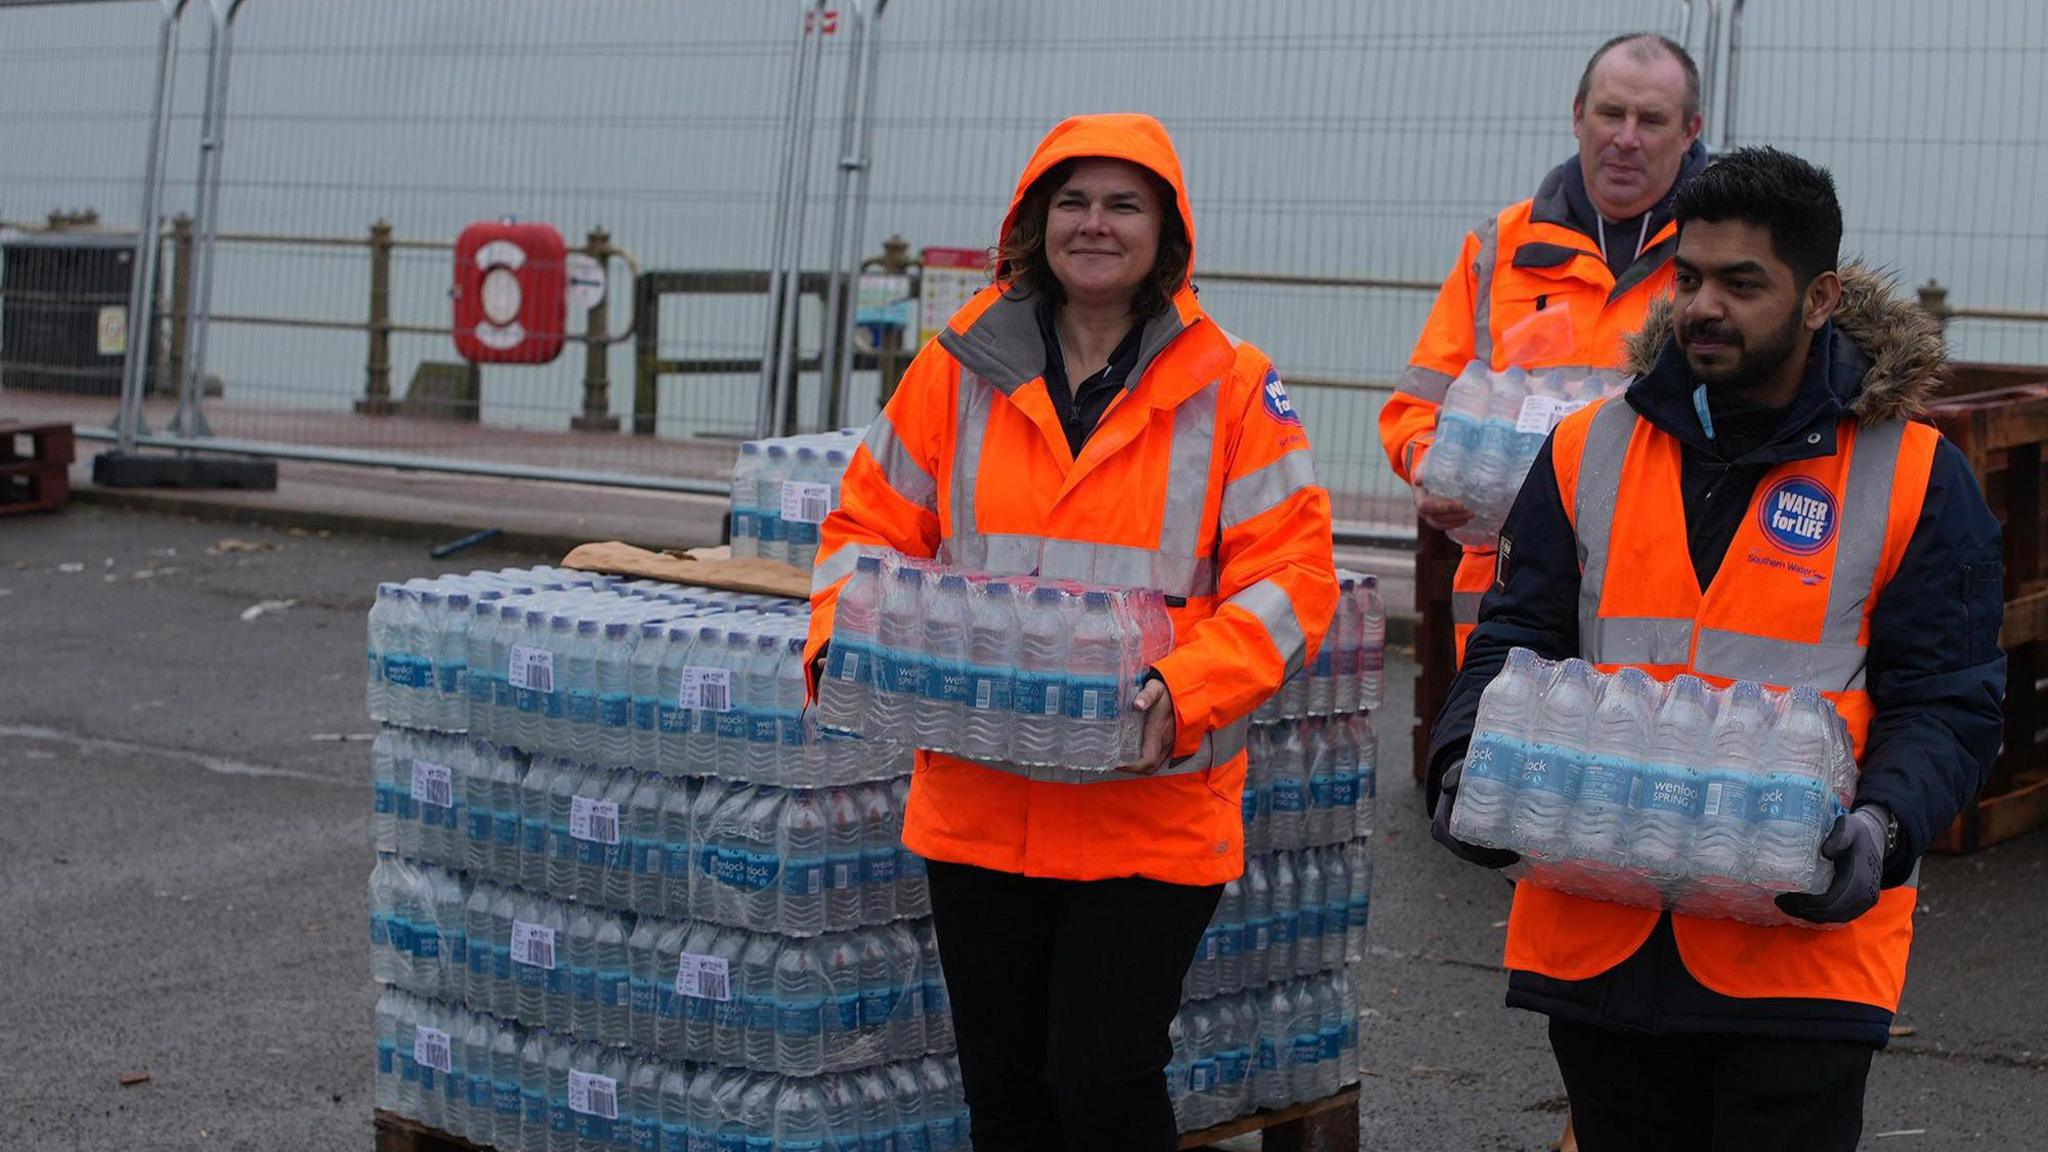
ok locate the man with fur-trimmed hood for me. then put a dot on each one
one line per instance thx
(1762, 506)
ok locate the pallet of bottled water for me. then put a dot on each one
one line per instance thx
(1269, 1017)
(1488, 430)
(1003, 668)
(619, 866)
(782, 490)
(683, 681)
(500, 1083)
(1348, 673)
(1710, 801)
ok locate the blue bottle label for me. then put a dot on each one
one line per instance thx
(801, 1019)
(1795, 801)
(878, 867)
(645, 713)
(451, 678)
(1551, 770)
(803, 878)
(1311, 922)
(843, 1012)
(480, 821)
(583, 984)
(990, 689)
(951, 683)
(1606, 780)
(1727, 798)
(1091, 699)
(1269, 1057)
(1038, 694)
(1668, 789)
(876, 1006)
(615, 710)
(1289, 795)
(1232, 1066)
(582, 707)
(1322, 791)
(505, 1098)
(1286, 926)
(384, 798)
(1308, 1048)
(479, 687)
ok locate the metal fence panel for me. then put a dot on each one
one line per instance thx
(1929, 115)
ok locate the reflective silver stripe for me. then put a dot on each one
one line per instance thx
(1638, 640)
(1738, 656)
(1600, 463)
(905, 474)
(1274, 608)
(832, 569)
(1837, 662)
(1189, 460)
(1015, 555)
(1482, 290)
(1267, 488)
(1218, 747)
(1465, 607)
(1427, 383)
(1172, 568)
(1865, 520)
(977, 397)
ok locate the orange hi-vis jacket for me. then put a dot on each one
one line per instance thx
(1841, 524)
(1198, 482)
(1529, 290)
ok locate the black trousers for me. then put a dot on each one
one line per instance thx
(1062, 994)
(1631, 1091)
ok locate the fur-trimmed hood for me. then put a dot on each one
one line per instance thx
(1905, 359)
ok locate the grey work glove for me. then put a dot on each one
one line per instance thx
(1856, 845)
(1440, 827)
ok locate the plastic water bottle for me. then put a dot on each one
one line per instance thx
(850, 663)
(1319, 821)
(614, 979)
(1288, 826)
(675, 735)
(1487, 472)
(762, 753)
(1373, 650)
(1549, 778)
(770, 530)
(378, 690)
(1229, 923)
(384, 791)
(1347, 636)
(614, 683)
(800, 998)
(642, 837)
(1792, 805)
(941, 717)
(1336, 901)
(1493, 763)
(679, 847)
(804, 854)
(1038, 737)
(675, 1122)
(643, 677)
(722, 707)
(1445, 466)
(1720, 849)
(1256, 958)
(1601, 822)
(992, 656)
(901, 687)
(746, 510)
(1672, 786)
(1096, 707)
(1309, 902)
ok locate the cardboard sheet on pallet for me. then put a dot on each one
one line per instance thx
(698, 567)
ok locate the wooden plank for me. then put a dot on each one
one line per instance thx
(396, 1133)
(1436, 563)
(2026, 620)
(1344, 1103)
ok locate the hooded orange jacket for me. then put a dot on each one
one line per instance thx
(1198, 481)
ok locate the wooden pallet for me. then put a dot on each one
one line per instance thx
(395, 1133)
(35, 466)
(1326, 1125)
(2002, 430)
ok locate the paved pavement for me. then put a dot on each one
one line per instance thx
(184, 852)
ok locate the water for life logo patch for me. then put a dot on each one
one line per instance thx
(1799, 515)
(1278, 406)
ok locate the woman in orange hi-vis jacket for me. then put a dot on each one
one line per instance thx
(1082, 418)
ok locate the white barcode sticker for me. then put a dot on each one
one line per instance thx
(433, 784)
(595, 820)
(1714, 799)
(533, 945)
(593, 1095)
(806, 503)
(430, 1049)
(1537, 415)
(706, 689)
(1052, 699)
(983, 693)
(531, 668)
(704, 977)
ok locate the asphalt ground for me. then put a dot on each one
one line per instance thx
(184, 856)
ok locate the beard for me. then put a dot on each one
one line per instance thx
(1752, 366)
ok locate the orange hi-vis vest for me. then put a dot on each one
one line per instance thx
(1528, 292)
(1197, 482)
(1789, 606)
